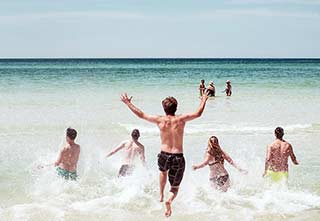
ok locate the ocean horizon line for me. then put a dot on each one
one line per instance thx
(159, 58)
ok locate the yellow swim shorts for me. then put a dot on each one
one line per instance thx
(277, 176)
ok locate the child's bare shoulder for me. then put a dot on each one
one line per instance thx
(140, 145)
(65, 148)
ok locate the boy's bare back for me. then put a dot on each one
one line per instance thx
(69, 157)
(132, 149)
(278, 154)
(171, 133)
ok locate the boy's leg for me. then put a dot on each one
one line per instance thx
(163, 181)
(172, 194)
(175, 178)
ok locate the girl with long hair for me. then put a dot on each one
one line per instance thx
(215, 157)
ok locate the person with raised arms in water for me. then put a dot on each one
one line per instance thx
(66, 163)
(171, 161)
(132, 148)
(215, 157)
(278, 152)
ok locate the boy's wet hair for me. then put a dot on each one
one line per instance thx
(279, 132)
(170, 105)
(71, 133)
(202, 81)
(135, 134)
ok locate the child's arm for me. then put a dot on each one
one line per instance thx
(142, 156)
(119, 147)
(198, 113)
(151, 118)
(228, 158)
(293, 156)
(59, 158)
(204, 163)
(266, 165)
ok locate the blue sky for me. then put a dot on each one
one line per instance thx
(163, 28)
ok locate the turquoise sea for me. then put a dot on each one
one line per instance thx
(40, 98)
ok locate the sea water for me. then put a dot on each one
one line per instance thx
(39, 99)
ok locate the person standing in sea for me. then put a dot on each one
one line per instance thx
(66, 163)
(278, 153)
(202, 87)
(228, 89)
(132, 149)
(171, 161)
(211, 89)
(215, 158)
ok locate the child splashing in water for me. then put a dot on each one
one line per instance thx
(215, 157)
(68, 157)
(278, 153)
(132, 148)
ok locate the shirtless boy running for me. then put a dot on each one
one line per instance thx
(278, 152)
(170, 160)
(132, 149)
(68, 157)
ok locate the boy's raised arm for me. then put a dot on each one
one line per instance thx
(151, 118)
(198, 113)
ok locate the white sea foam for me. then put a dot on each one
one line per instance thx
(136, 196)
(206, 128)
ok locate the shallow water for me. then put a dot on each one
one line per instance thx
(40, 98)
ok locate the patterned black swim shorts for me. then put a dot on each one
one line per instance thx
(175, 163)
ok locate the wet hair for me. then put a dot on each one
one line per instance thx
(214, 149)
(170, 105)
(135, 134)
(279, 132)
(202, 81)
(71, 133)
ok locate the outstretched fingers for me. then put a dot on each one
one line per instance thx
(125, 99)
(205, 95)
